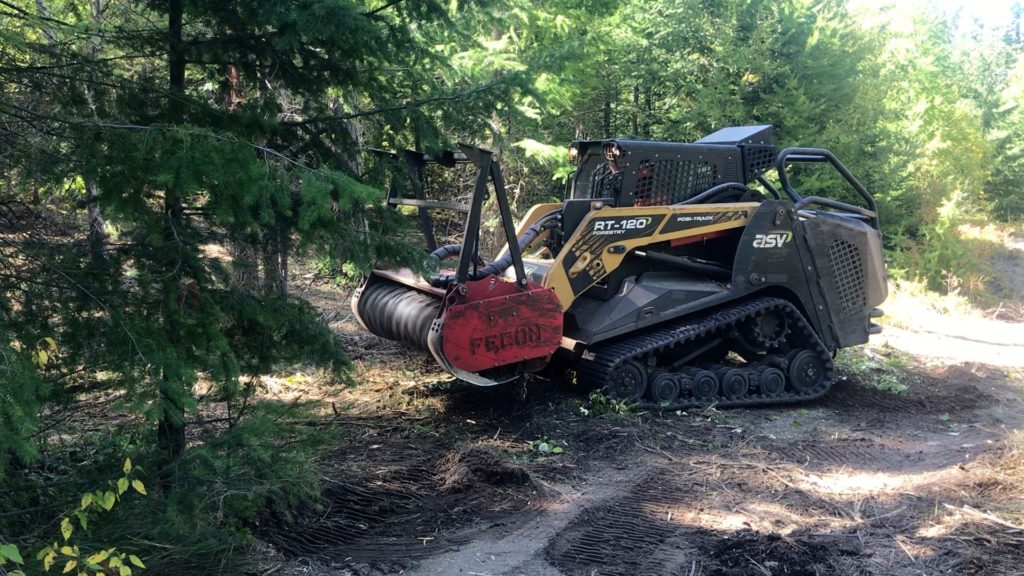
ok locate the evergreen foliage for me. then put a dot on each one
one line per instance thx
(161, 163)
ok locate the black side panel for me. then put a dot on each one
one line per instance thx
(573, 212)
(847, 254)
(644, 300)
(768, 258)
(831, 263)
(829, 266)
(773, 256)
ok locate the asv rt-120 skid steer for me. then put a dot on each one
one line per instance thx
(662, 278)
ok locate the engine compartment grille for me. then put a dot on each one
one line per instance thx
(848, 275)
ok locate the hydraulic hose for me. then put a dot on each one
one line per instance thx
(546, 221)
(712, 271)
(525, 239)
(714, 191)
(447, 251)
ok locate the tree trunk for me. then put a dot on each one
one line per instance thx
(245, 270)
(607, 128)
(272, 258)
(284, 243)
(231, 90)
(636, 110)
(44, 12)
(245, 257)
(355, 134)
(97, 234)
(171, 427)
(647, 113)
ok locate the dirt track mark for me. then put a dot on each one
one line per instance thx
(659, 527)
(619, 537)
(832, 453)
(410, 500)
(929, 395)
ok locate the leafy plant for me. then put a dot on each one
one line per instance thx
(598, 404)
(883, 372)
(546, 447)
(68, 556)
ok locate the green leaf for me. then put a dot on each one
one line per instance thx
(66, 529)
(10, 552)
(125, 571)
(556, 450)
(43, 552)
(83, 520)
(139, 487)
(108, 500)
(136, 560)
(122, 485)
(68, 551)
(69, 566)
(48, 560)
(127, 468)
(87, 500)
(98, 557)
(51, 342)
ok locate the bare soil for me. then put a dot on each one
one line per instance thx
(433, 477)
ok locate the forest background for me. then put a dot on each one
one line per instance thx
(164, 162)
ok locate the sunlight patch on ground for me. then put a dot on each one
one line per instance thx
(948, 329)
(850, 483)
(747, 514)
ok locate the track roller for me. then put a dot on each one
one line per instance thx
(705, 384)
(628, 383)
(664, 387)
(806, 372)
(735, 382)
(770, 381)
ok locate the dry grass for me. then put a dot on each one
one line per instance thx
(1008, 478)
(997, 255)
(995, 234)
(908, 299)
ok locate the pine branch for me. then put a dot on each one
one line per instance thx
(380, 9)
(393, 108)
(84, 290)
(90, 62)
(24, 15)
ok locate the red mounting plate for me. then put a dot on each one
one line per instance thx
(494, 323)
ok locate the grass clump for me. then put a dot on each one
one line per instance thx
(598, 404)
(886, 371)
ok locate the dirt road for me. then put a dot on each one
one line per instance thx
(432, 478)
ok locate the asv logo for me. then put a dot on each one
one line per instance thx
(773, 240)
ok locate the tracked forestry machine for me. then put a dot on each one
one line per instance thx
(664, 278)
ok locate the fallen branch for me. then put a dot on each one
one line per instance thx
(985, 516)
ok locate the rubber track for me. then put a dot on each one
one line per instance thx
(606, 358)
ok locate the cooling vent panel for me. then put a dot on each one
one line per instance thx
(848, 275)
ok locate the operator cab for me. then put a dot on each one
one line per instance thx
(623, 173)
